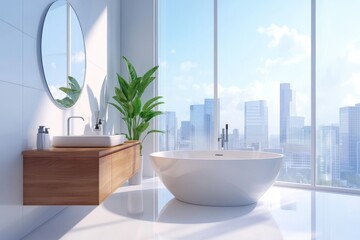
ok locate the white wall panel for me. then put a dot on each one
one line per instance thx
(11, 11)
(33, 76)
(11, 54)
(10, 161)
(25, 102)
(33, 16)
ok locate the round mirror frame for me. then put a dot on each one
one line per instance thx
(63, 58)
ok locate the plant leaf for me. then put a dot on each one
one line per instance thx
(154, 105)
(73, 92)
(120, 97)
(66, 102)
(155, 131)
(150, 115)
(124, 86)
(144, 84)
(131, 69)
(133, 88)
(147, 79)
(137, 106)
(74, 84)
(142, 127)
(150, 101)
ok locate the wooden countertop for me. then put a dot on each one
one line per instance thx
(79, 151)
(77, 176)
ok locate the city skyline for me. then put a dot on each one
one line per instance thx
(338, 144)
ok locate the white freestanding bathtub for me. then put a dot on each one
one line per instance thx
(217, 178)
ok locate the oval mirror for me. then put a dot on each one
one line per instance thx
(63, 54)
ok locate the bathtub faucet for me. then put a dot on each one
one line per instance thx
(224, 139)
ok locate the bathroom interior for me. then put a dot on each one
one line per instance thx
(268, 78)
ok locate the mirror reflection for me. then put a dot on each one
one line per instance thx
(63, 54)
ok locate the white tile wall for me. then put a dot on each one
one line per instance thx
(33, 76)
(11, 54)
(25, 103)
(10, 160)
(38, 109)
(11, 11)
(33, 16)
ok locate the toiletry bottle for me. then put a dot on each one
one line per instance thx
(100, 126)
(40, 138)
(46, 139)
(97, 130)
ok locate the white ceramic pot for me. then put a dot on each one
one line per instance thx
(136, 179)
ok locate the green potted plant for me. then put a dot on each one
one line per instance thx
(136, 114)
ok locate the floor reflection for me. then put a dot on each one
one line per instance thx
(150, 211)
(176, 211)
(204, 222)
(196, 222)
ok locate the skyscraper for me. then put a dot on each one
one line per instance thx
(209, 121)
(295, 130)
(185, 136)
(198, 137)
(328, 154)
(202, 124)
(349, 138)
(168, 124)
(256, 124)
(285, 101)
(295, 139)
(185, 131)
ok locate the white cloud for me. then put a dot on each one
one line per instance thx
(263, 71)
(293, 46)
(53, 65)
(173, 51)
(273, 62)
(78, 57)
(233, 98)
(182, 82)
(187, 66)
(351, 90)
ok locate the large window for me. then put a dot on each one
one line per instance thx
(186, 53)
(249, 64)
(264, 80)
(338, 93)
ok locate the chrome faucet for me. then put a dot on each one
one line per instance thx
(68, 123)
(224, 139)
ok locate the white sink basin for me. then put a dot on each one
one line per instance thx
(88, 141)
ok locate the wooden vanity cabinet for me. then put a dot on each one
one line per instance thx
(77, 176)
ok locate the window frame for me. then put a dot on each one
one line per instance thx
(312, 185)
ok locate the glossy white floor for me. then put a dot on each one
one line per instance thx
(149, 211)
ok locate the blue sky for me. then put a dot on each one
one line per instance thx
(261, 44)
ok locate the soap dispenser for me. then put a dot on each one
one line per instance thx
(40, 138)
(46, 139)
(97, 129)
(100, 123)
